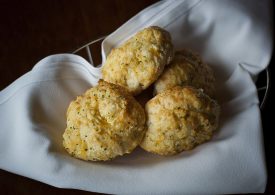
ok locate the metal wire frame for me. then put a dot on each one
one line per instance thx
(87, 48)
(265, 88)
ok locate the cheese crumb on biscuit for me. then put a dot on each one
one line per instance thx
(178, 119)
(138, 62)
(104, 123)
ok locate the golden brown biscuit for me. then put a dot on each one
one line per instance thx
(178, 119)
(186, 69)
(103, 123)
(140, 60)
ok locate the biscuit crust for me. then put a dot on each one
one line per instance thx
(104, 123)
(138, 62)
(178, 119)
(187, 69)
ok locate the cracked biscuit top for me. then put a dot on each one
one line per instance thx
(178, 119)
(138, 62)
(103, 123)
(187, 69)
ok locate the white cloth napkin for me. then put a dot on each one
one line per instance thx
(234, 37)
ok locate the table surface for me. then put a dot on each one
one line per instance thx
(31, 30)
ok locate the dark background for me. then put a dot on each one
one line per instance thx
(31, 30)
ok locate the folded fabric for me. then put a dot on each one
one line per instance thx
(234, 37)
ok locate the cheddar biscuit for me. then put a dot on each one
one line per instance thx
(186, 69)
(104, 123)
(138, 62)
(178, 119)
